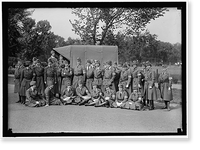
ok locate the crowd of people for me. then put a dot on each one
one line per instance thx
(112, 85)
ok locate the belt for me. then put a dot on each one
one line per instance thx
(27, 79)
(78, 74)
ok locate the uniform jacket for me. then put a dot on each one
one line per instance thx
(121, 96)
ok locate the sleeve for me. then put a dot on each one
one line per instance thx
(113, 75)
(125, 96)
(21, 76)
(129, 78)
(28, 96)
(45, 75)
(77, 92)
(55, 74)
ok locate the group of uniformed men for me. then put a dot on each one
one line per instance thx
(111, 86)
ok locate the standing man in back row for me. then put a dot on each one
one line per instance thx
(109, 76)
(79, 73)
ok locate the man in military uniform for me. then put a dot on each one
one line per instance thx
(150, 93)
(53, 59)
(109, 76)
(26, 77)
(33, 98)
(39, 77)
(68, 95)
(117, 77)
(165, 82)
(18, 69)
(50, 75)
(66, 74)
(96, 97)
(109, 96)
(121, 98)
(89, 75)
(83, 95)
(98, 75)
(51, 97)
(125, 78)
(79, 73)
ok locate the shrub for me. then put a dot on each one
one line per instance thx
(11, 71)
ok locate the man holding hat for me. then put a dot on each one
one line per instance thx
(165, 82)
(109, 76)
(33, 98)
(121, 98)
(26, 77)
(79, 73)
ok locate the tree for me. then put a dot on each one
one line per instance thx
(93, 24)
(16, 16)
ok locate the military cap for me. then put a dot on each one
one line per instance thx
(109, 62)
(80, 82)
(89, 61)
(44, 64)
(52, 51)
(78, 59)
(50, 61)
(32, 83)
(38, 61)
(134, 88)
(148, 63)
(27, 63)
(125, 65)
(62, 65)
(164, 66)
(120, 86)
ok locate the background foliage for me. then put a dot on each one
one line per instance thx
(28, 39)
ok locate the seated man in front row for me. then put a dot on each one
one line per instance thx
(135, 101)
(121, 97)
(67, 96)
(83, 94)
(96, 96)
(33, 99)
(109, 96)
(50, 98)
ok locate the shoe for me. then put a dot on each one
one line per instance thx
(18, 101)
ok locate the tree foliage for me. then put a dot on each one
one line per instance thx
(93, 24)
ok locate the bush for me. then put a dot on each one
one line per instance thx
(176, 78)
(11, 71)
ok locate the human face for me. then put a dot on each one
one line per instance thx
(60, 57)
(34, 86)
(94, 87)
(134, 91)
(120, 89)
(78, 63)
(80, 85)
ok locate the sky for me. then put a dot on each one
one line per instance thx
(167, 27)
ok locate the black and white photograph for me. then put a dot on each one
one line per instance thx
(94, 68)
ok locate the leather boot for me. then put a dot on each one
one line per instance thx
(168, 106)
(19, 101)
